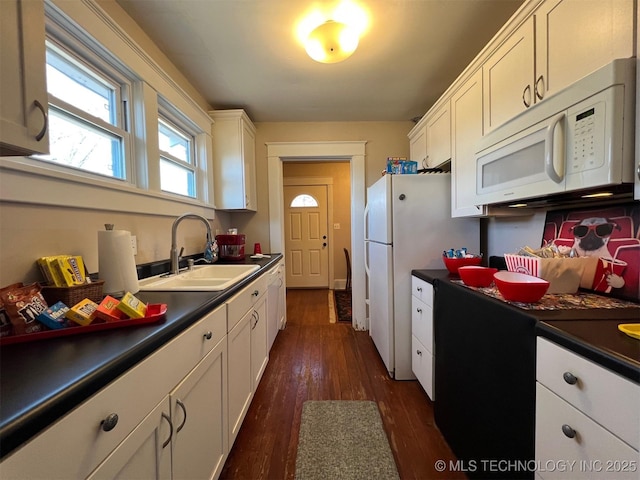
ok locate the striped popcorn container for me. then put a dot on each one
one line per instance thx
(523, 264)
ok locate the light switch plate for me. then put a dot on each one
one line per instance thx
(134, 244)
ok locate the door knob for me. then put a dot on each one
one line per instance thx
(324, 244)
(324, 237)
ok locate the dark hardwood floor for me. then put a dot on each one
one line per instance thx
(313, 359)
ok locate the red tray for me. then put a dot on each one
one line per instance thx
(155, 313)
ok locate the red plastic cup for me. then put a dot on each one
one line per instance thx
(257, 249)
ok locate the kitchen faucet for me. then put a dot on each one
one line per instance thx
(175, 258)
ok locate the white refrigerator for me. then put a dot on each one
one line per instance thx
(409, 224)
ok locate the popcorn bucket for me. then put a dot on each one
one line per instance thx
(565, 275)
(523, 264)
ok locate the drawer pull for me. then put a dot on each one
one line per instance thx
(570, 378)
(208, 335)
(419, 289)
(184, 410)
(168, 440)
(110, 422)
(419, 310)
(419, 352)
(568, 431)
(255, 293)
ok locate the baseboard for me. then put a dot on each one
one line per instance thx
(339, 283)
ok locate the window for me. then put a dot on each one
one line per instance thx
(123, 134)
(177, 168)
(87, 115)
(304, 200)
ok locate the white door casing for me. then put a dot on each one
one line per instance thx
(306, 238)
(354, 152)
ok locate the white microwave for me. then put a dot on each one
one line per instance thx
(578, 139)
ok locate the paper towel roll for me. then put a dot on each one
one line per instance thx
(116, 263)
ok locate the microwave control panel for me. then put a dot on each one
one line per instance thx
(587, 137)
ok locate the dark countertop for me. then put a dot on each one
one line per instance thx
(42, 380)
(592, 333)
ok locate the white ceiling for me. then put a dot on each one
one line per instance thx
(244, 54)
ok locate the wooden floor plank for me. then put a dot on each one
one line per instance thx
(313, 359)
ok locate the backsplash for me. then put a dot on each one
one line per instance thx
(610, 233)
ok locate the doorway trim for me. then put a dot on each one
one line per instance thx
(354, 153)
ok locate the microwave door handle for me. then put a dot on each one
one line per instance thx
(548, 151)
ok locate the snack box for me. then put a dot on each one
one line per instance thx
(400, 167)
(132, 306)
(54, 316)
(82, 312)
(108, 310)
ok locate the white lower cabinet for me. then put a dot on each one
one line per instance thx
(239, 341)
(145, 453)
(276, 302)
(199, 415)
(422, 351)
(173, 415)
(259, 348)
(248, 355)
(583, 429)
(129, 429)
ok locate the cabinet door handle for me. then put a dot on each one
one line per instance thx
(527, 92)
(255, 293)
(539, 91)
(419, 289)
(570, 378)
(568, 431)
(419, 352)
(419, 310)
(110, 422)
(168, 440)
(39, 106)
(208, 335)
(256, 316)
(184, 410)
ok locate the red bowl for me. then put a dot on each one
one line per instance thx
(453, 264)
(476, 276)
(519, 287)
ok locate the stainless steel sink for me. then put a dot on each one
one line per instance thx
(201, 278)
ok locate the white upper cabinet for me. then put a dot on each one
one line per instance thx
(418, 143)
(430, 139)
(576, 37)
(234, 160)
(466, 121)
(439, 136)
(509, 76)
(23, 87)
(561, 42)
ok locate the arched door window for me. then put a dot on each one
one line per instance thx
(303, 200)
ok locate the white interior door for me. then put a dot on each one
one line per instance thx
(306, 236)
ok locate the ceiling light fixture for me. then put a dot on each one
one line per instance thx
(332, 42)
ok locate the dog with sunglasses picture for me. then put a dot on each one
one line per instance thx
(591, 237)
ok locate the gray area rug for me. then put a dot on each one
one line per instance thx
(343, 439)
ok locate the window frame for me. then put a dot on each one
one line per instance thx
(31, 181)
(76, 52)
(192, 166)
